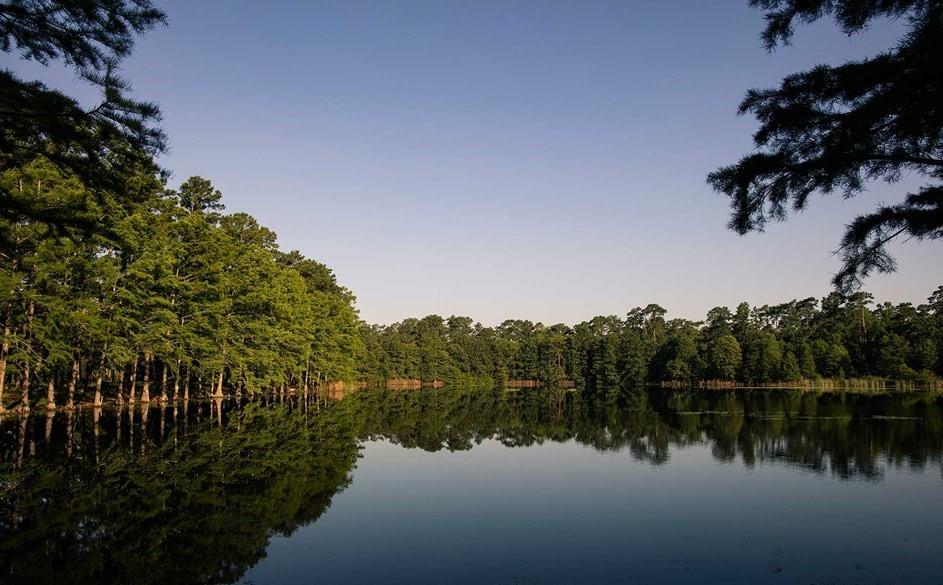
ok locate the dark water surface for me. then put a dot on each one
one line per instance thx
(480, 486)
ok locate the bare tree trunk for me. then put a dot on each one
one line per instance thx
(4, 350)
(7, 319)
(307, 371)
(146, 388)
(51, 393)
(24, 398)
(98, 380)
(120, 397)
(134, 381)
(219, 383)
(73, 380)
(177, 382)
(186, 384)
(163, 383)
(49, 416)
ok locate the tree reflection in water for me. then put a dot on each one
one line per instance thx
(192, 494)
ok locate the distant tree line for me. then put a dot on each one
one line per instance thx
(839, 336)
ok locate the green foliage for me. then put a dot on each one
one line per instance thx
(101, 147)
(185, 290)
(723, 357)
(790, 371)
(839, 336)
(110, 279)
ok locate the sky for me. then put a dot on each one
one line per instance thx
(534, 160)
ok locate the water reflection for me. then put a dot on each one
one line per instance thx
(193, 493)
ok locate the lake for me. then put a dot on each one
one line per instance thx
(465, 486)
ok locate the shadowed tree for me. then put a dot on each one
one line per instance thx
(835, 129)
(99, 145)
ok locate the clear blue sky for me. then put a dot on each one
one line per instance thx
(539, 160)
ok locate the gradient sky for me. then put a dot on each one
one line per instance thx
(538, 160)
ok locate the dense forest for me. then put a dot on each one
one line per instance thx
(840, 336)
(115, 286)
(182, 296)
(112, 284)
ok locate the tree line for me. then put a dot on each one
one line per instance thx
(840, 336)
(114, 286)
(180, 296)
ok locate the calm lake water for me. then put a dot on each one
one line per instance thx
(497, 487)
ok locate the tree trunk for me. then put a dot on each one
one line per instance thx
(24, 395)
(163, 383)
(146, 387)
(134, 382)
(307, 366)
(4, 350)
(186, 384)
(51, 393)
(24, 399)
(98, 380)
(5, 347)
(177, 382)
(219, 384)
(49, 416)
(120, 397)
(73, 380)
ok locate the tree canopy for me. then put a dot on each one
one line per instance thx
(186, 296)
(102, 146)
(835, 129)
(838, 337)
